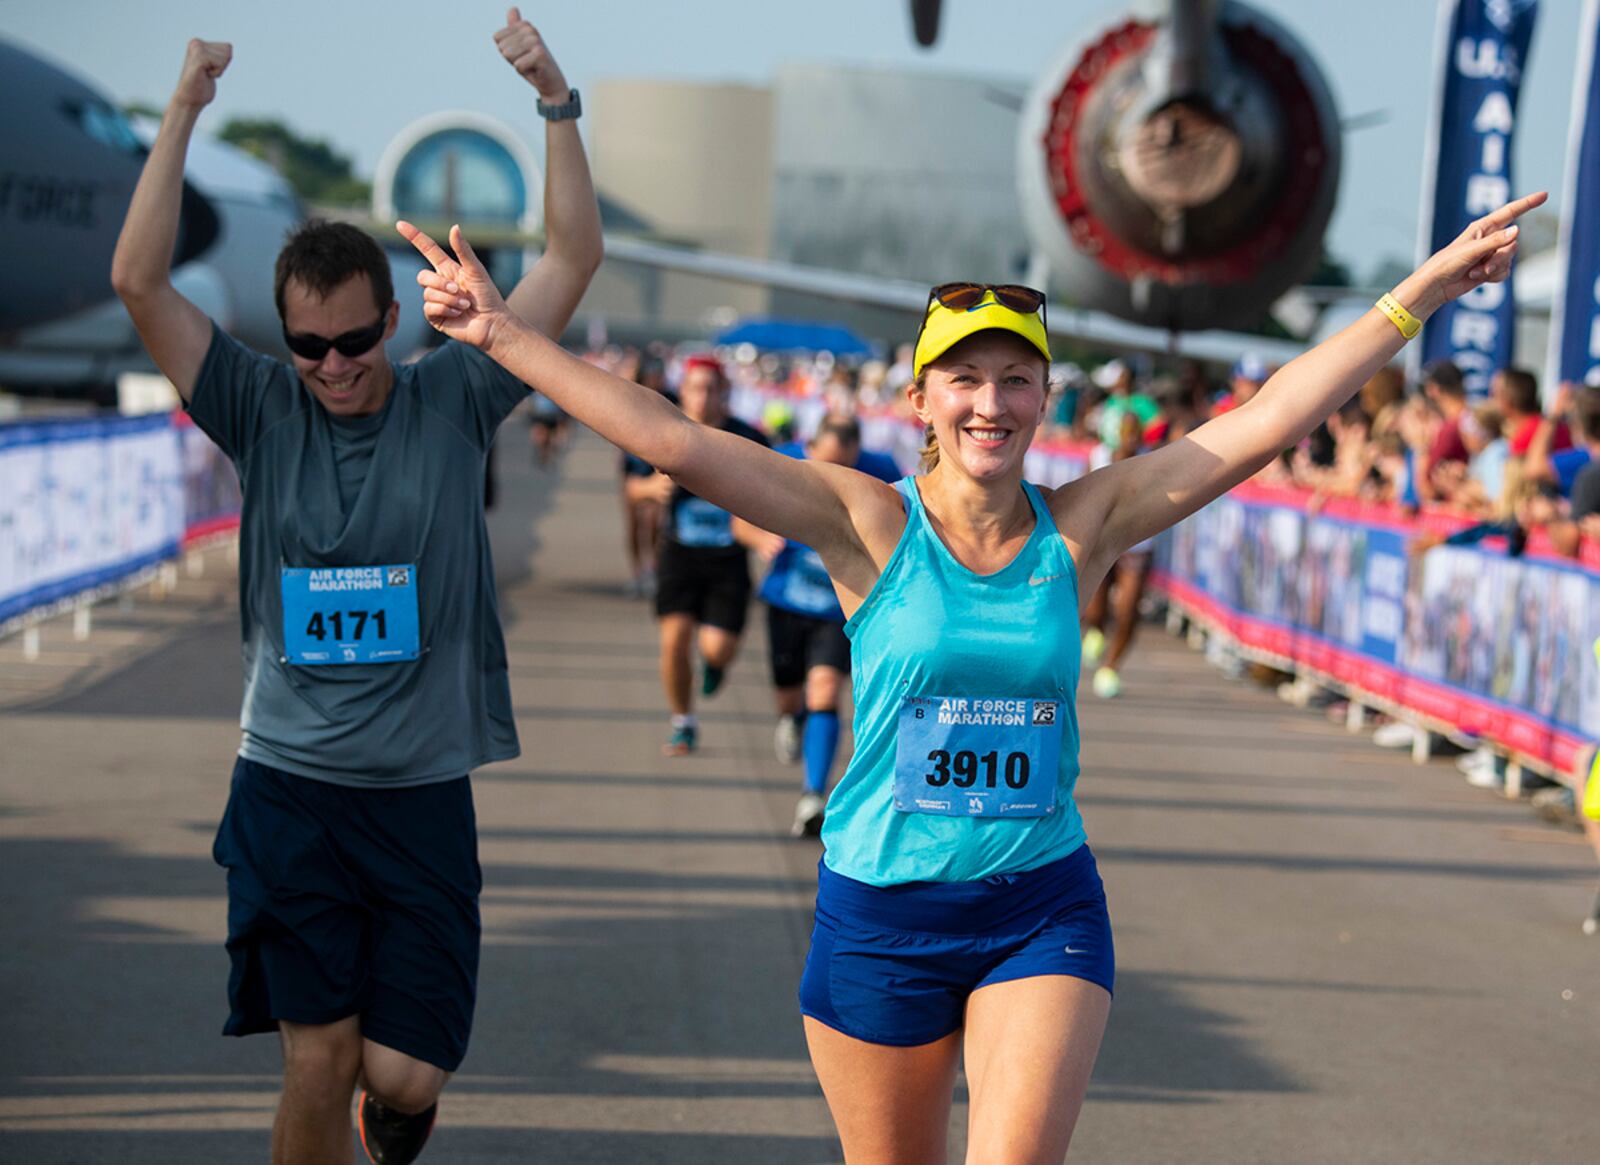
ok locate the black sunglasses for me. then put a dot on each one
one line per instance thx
(350, 344)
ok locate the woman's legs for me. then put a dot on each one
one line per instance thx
(1030, 1047)
(891, 1105)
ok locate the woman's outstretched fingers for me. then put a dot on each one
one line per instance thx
(469, 257)
(431, 251)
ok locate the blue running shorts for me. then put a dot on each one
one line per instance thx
(895, 964)
(353, 901)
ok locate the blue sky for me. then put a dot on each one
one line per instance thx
(356, 72)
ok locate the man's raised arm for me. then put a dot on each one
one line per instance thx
(175, 332)
(547, 296)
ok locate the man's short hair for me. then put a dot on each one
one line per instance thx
(1446, 377)
(320, 255)
(1521, 389)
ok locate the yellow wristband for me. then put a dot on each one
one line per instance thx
(1408, 324)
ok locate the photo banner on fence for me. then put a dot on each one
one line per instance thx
(84, 503)
(1498, 646)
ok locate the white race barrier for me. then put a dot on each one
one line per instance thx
(84, 505)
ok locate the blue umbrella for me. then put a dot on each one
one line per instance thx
(776, 335)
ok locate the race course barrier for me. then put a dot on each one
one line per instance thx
(87, 505)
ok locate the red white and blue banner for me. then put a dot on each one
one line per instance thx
(84, 503)
(1465, 637)
(1481, 57)
(1575, 322)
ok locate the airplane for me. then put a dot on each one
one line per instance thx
(69, 160)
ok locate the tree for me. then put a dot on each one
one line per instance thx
(316, 171)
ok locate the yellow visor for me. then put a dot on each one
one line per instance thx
(944, 328)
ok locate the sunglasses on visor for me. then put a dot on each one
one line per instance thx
(350, 344)
(965, 296)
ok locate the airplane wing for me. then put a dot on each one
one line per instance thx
(1091, 327)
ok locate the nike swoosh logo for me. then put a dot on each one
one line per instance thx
(1035, 582)
(1070, 951)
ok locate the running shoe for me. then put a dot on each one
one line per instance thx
(710, 680)
(1592, 923)
(786, 739)
(1107, 683)
(1558, 806)
(1094, 646)
(1395, 734)
(390, 1137)
(682, 741)
(808, 815)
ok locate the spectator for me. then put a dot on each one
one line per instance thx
(1443, 466)
(1116, 378)
(1484, 488)
(1250, 372)
(1516, 391)
(1563, 466)
(1586, 485)
(1382, 397)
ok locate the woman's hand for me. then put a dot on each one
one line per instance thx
(1480, 254)
(458, 296)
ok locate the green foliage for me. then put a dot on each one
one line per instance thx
(316, 171)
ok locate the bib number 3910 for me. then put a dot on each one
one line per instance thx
(960, 756)
(350, 614)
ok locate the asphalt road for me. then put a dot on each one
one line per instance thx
(1326, 953)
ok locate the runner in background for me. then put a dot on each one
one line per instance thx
(702, 572)
(1118, 596)
(809, 652)
(643, 511)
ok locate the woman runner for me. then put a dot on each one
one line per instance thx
(958, 908)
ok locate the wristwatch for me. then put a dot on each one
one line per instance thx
(570, 108)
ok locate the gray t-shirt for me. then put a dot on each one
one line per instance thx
(403, 487)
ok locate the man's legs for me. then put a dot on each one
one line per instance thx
(321, 1063)
(677, 634)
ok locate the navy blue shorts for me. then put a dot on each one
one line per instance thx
(895, 964)
(345, 901)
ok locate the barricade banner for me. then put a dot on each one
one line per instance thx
(1575, 326)
(84, 503)
(1463, 637)
(1480, 57)
(211, 497)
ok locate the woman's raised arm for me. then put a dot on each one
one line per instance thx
(1145, 495)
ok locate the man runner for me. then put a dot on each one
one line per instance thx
(702, 572)
(375, 669)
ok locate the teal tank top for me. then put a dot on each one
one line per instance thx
(965, 685)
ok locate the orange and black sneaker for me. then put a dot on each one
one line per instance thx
(391, 1137)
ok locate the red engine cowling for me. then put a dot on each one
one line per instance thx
(1184, 197)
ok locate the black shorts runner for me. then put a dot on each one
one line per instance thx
(345, 901)
(798, 643)
(711, 585)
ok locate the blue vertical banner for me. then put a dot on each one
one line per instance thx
(1575, 322)
(1481, 56)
